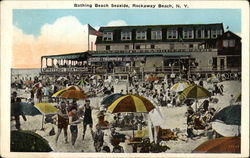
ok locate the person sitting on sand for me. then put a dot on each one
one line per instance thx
(116, 135)
(98, 138)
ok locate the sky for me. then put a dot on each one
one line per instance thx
(38, 32)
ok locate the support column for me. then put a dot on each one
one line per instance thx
(41, 64)
(46, 62)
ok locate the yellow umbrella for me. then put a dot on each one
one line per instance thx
(180, 86)
(46, 108)
(57, 94)
(131, 103)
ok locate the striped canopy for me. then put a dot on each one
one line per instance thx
(195, 92)
(131, 103)
(81, 82)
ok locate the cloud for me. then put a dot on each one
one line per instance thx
(117, 23)
(65, 35)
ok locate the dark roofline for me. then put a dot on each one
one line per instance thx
(51, 56)
(154, 26)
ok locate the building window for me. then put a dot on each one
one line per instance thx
(152, 46)
(107, 36)
(172, 34)
(191, 46)
(137, 47)
(231, 43)
(141, 35)
(215, 33)
(188, 34)
(126, 47)
(126, 35)
(108, 47)
(156, 35)
(199, 33)
(206, 33)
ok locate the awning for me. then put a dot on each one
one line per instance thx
(73, 56)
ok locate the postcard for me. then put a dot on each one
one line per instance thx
(125, 78)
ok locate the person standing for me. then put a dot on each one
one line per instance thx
(16, 111)
(62, 121)
(73, 121)
(87, 118)
(98, 138)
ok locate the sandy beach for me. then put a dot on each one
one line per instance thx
(174, 118)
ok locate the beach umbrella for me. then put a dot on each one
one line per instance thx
(213, 79)
(72, 87)
(227, 121)
(230, 115)
(73, 94)
(61, 78)
(28, 141)
(160, 75)
(180, 86)
(152, 78)
(58, 93)
(96, 77)
(131, 103)
(46, 108)
(81, 83)
(27, 108)
(110, 99)
(220, 145)
(195, 92)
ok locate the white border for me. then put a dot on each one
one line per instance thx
(6, 51)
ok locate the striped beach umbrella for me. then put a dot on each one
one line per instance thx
(81, 83)
(195, 92)
(180, 86)
(70, 88)
(131, 103)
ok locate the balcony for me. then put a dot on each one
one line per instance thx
(153, 51)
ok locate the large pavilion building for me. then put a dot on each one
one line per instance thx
(154, 49)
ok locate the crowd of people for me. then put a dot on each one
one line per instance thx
(71, 115)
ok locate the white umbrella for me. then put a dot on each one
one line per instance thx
(226, 130)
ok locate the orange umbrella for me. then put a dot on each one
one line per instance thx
(74, 94)
(220, 145)
(152, 79)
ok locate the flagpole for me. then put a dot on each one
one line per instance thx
(88, 37)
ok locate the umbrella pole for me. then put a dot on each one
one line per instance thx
(133, 130)
(196, 105)
(42, 123)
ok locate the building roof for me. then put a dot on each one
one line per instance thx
(81, 56)
(118, 29)
(111, 28)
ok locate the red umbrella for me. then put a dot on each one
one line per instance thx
(220, 145)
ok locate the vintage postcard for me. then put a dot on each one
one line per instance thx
(125, 78)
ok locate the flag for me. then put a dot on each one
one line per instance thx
(92, 31)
